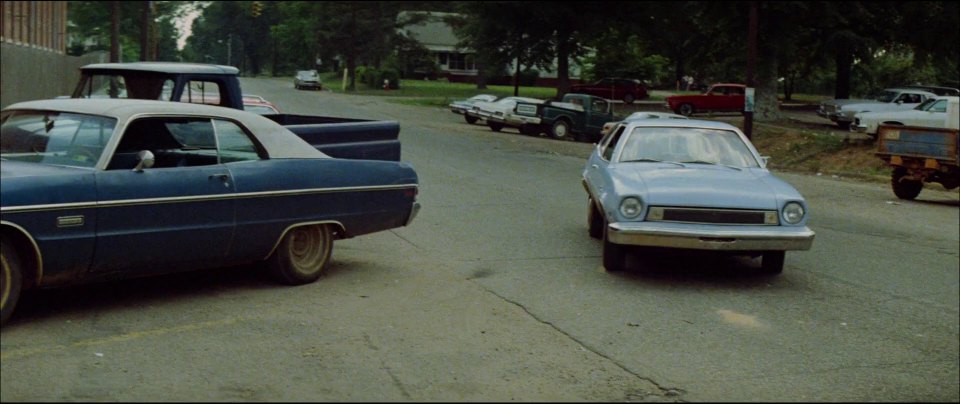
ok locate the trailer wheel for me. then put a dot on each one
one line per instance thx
(904, 188)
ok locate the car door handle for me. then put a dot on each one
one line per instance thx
(222, 177)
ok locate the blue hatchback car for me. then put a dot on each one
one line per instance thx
(690, 184)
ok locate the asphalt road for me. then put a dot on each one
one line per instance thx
(496, 293)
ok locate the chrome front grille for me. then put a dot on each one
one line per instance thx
(712, 216)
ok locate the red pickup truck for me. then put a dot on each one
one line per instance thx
(719, 97)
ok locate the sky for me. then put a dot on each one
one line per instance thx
(183, 25)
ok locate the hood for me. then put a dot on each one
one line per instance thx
(698, 185)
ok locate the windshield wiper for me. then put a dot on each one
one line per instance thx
(650, 161)
(711, 163)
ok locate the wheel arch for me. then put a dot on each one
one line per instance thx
(27, 251)
(339, 232)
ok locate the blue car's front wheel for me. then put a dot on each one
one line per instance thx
(302, 255)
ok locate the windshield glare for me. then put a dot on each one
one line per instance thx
(687, 144)
(56, 138)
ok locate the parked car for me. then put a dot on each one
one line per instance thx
(614, 88)
(690, 184)
(496, 110)
(307, 79)
(462, 106)
(720, 97)
(932, 113)
(253, 97)
(96, 189)
(260, 107)
(842, 111)
(640, 115)
(576, 117)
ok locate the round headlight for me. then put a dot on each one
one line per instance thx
(630, 207)
(793, 212)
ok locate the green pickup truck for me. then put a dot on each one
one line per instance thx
(577, 116)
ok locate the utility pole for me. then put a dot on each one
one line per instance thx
(115, 32)
(751, 66)
(145, 48)
(229, 42)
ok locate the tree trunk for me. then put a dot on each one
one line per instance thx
(115, 32)
(766, 104)
(145, 32)
(481, 73)
(351, 72)
(844, 62)
(563, 62)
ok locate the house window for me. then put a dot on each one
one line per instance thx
(460, 61)
(442, 58)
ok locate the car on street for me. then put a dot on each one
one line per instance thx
(496, 112)
(97, 189)
(614, 88)
(720, 97)
(932, 113)
(641, 115)
(690, 184)
(462, 106)
(308, 79)
(843, 111)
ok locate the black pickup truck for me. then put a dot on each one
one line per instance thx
(219, 85)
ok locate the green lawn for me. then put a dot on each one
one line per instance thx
(441, 92)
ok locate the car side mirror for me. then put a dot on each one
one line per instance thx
(145, 159)
(766, 160)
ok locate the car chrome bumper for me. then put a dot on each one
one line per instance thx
(413, 213)
(711, 237)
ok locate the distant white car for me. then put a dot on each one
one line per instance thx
(842, 111)
(462, 106)
(932, 113)
(499, 113)
(641, 115)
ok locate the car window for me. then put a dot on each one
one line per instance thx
(606, 149)
(174, 142)
(925, 105)
(234, 143)
(55, 138)
(887, 96)
(599, 105)
(687, 145)
(201, 92)
(938, 106)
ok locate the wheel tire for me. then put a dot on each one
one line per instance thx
(560, 130)
(496, 127)
(470, 119)
(594, 220)
(686, 109)
(296, 86)
(629, 98)
(904, 189)
(772, 262)
(302, 255)
(614, 255)
(11, 280)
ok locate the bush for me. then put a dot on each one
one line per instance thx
(390, 74)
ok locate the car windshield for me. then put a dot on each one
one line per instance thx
(57, 138)
(308, 74)
(926, 104)
(687, 145)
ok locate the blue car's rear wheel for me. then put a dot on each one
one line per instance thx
(302, 254)
(11, 280)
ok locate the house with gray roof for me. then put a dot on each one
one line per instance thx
(455, 63)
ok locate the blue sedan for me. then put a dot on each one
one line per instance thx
(98, 189)
(690, 184)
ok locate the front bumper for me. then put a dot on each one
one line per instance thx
(711, 237)
(835, 116)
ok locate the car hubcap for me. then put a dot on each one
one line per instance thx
(560, 131)
(306, 250)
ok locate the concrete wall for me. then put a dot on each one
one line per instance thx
(34, 74)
